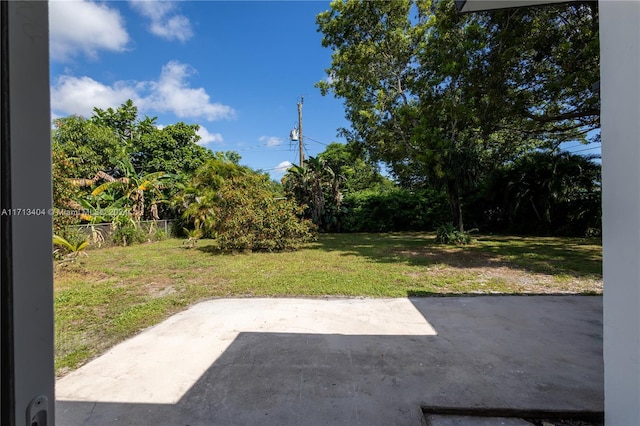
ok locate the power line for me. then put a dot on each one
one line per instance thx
(313, 140)
(587, 149)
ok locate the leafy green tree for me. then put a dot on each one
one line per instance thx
(172, 149)
(231, 156)
(400, 112)
(358, 174)
(90, 147)
(542, 66)
(64, 192)
(116, 145)
(443, 97)
(124, 121)
(127, 189)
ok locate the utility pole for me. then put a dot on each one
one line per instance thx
(300, 147)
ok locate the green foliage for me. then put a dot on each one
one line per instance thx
(241, 210)
(134, 191)
(69, 249)
(172, 149)
(545, 84)
(448, 234)
(126, 231)
(357, 174)
(126, 156)
(90, 147)
(249, 218)
(64, 192)
(193, 235)
(317, 188)
(542, 193)
(443, 97)
(230, 156)
(123, 121)
(393, 210)
(153, 232)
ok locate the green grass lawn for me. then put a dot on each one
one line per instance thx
(115, 292)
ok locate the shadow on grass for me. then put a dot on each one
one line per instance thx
(575, 257)
(425, 293)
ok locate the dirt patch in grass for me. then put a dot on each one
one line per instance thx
(159, 287)
(454, 257)
(475, 271)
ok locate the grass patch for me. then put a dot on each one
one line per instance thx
(118, 291)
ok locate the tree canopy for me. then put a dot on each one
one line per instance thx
(442, 97)
(113, 136)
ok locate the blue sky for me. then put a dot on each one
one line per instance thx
(236, 68)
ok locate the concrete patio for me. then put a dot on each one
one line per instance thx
(344, 362)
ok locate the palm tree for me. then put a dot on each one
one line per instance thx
(131, 187)
(201, 209)
(316, 186)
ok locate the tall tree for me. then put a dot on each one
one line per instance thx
(414, 116)
(357, 173)
(88, 146)
(172, 149)
(438, 95)
(124, 121)
(317, 188)
(545, 66)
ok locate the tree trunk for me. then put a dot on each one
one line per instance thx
(454, 204)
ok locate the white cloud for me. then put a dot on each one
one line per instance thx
(282, 167)
(278, 172)
(170, 93)
(84, 27)
(164, 23)
(78, 95)
(271, 141)
(206, 137)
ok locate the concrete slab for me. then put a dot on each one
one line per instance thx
(438, 420)
(344, 361)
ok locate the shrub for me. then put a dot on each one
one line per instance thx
(126, 231)
(241, 209)
(249, 217)
(448, 234)
(394, 210)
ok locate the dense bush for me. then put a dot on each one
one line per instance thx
(541, 193)
(248, 217)
(394, 210)
(242, 209)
